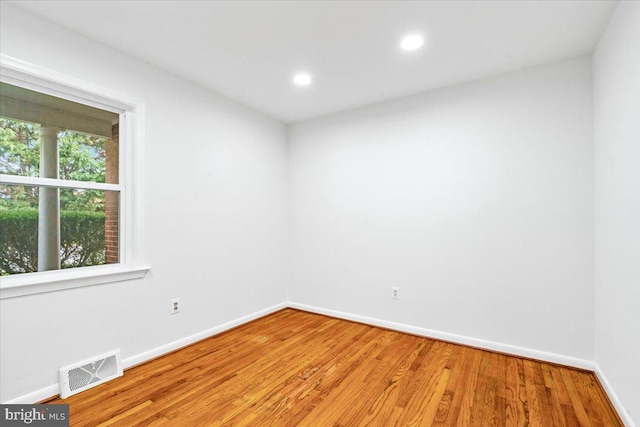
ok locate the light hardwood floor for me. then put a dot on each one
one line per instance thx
(294, 368)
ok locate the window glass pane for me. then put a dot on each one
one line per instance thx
(85, 157)
(89, 232)
(81, 156)
(18, 229)
(86, 137)
(19, 148)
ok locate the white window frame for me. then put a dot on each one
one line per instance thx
(19, 73)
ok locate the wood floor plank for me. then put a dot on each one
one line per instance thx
(296, 390)
(465, 417)
(385, 406)
(576, 400)
(294, 368)
(483, 392)
(330, 411)
(516, 410)
(555, 407)
(597, 412)
(420, 404)
(499, 381)
(606, 409)
(450, 402)
(394, 364)
(535, 409)
(546, 415)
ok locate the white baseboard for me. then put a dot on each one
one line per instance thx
(35, 396)
(53, 390)
(622, 412)
(457, 339)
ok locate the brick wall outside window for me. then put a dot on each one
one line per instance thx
(111, 203)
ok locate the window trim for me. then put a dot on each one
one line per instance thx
(32, 181)
(19, 73)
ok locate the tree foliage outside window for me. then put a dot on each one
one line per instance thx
(82, 217)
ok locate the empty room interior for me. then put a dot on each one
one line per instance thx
(320, 213)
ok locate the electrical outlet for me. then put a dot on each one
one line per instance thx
(395, 292)
(175, 306)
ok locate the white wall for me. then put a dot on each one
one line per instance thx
(476, 200)
(616, 78)
(215, 218)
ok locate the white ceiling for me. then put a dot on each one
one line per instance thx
(248, 51)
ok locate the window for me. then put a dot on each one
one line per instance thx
(69, 183)
(70, 218)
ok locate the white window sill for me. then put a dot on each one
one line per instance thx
(51, 281)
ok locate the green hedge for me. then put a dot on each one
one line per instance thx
(81, 240)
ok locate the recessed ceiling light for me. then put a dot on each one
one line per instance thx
(302, 79)
(412, 42)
